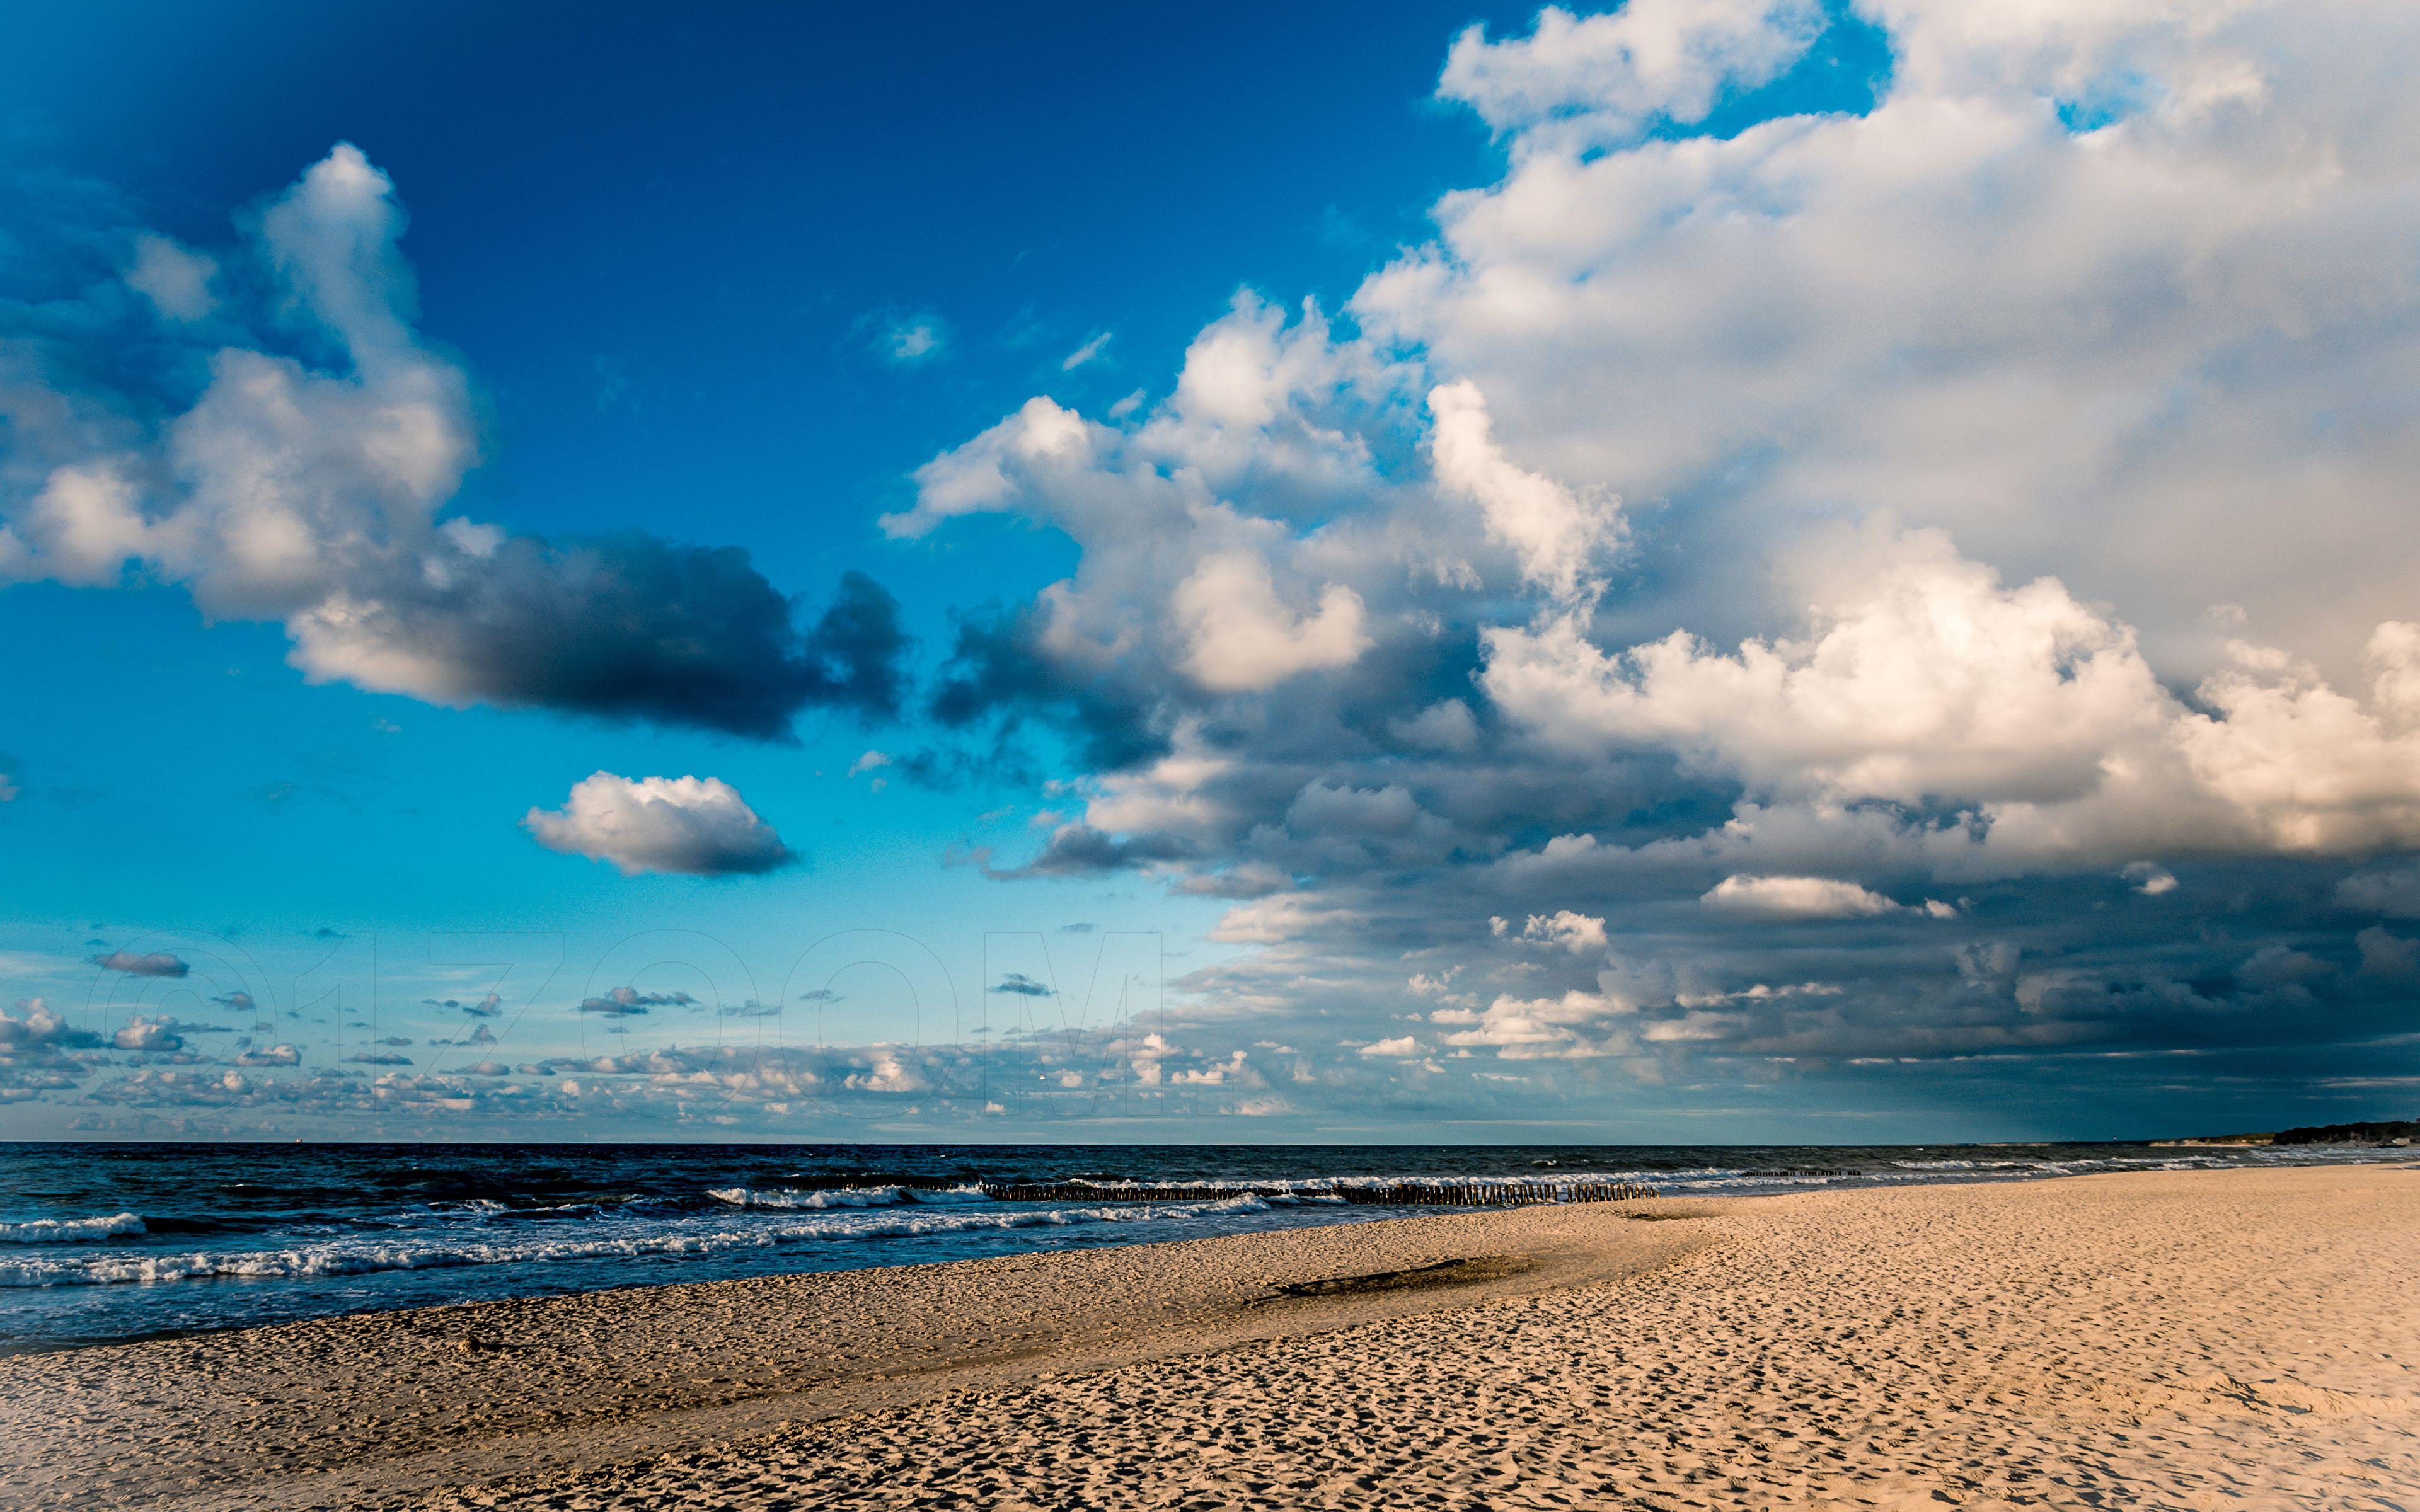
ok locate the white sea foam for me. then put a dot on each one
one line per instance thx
(69, 1230)
(948, 1196)
(1333, 1188)
(784, 1198)
(616, 1239)
(821, 1198)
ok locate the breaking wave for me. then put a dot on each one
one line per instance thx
(71, 1230)
(620, 1239)
(791, 1198)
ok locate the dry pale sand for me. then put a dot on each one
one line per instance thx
(2221, 1339)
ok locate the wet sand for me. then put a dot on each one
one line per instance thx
(2245, 1339)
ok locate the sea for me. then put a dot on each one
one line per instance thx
(105, 1242)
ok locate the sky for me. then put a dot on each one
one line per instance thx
(1715, 571)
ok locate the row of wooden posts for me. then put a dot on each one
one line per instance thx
(1392, 1195)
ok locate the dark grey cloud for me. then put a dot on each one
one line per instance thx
(1000, 676)
(627, 627)
(1019, 984)
(485, 1007)
(1079, 850)
(628, 1002)
(40, 1030)
(152, 963)
(1241, 882)
(2391, 890)
(857, 649)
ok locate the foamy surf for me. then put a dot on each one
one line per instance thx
(102, 1242)
(71, 1230)
(791, 1198)
(629, 1239)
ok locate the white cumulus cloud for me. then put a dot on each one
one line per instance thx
(1605, 76)
(1577, 932)
(699, 827)
(1243, 639)
(1797, 898)
(1557, 534)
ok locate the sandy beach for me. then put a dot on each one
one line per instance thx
(2204, 1339)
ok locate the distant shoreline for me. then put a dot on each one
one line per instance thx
(2381, 1134)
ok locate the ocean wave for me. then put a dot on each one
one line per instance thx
(1709, 1179)
(786, 1197)
(824, 1198)
(1971, 1164)
(1321, 1186)
(71, 1230)
(359, 1257)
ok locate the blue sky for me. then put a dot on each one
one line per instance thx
(671, 287)
(1341, 722)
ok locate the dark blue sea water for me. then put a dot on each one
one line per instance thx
(102, 1243)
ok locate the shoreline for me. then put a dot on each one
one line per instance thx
(691, 1361)
(298, 1289)
(602, 1390)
